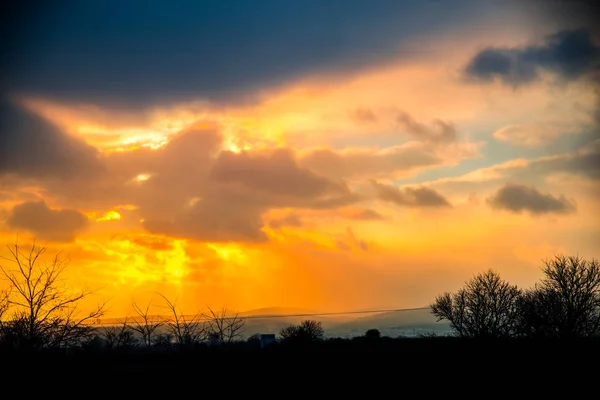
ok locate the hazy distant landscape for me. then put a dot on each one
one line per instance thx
(410, 323)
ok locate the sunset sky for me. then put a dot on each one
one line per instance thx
(326, 155)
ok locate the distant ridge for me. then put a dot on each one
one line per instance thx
(270, 311)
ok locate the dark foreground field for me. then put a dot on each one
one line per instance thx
(427, 365)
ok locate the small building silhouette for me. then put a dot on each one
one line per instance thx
(266, 339)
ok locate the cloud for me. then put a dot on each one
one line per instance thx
(526, 134)
(215, 219)
(32, 147)
(214, 49)
(273, 171)
(360, 163)
(440, 131)
(363, 116)
(349, 241)
(156, 243)
(46, 223)
(362, 214)
(581, 163)
(195, 190)
(239, 188)
(584, 162)
(570, 54)
(567, 13)
(518, 198)
(410, 196)
(290, 220)
(373, 163)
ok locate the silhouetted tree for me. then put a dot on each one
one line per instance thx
(224, 328)
(373, 334)
(144, 325)
(566, 303)
(44, 311)
(308, 331)
(486, 307)
(185, 330)
(4, 305)
(4, 295)
(254, 339)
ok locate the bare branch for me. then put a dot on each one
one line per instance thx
(42, 307)
(144, 325)
(224, 328)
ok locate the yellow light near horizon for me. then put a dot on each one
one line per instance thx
(111, 215)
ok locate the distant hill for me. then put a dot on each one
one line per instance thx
(274, 319)
(274, 324)
(392, 324)
(276, 311)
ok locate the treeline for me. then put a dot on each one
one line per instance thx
(37, 312)
(565, 304)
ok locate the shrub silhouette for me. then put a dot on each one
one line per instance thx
(566, 304)
(373, 334)
(308, 331)
(486, 307)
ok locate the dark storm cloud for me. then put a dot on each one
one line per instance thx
(138, 52)
(46, 223)
(518, 198)
(410, 197)
(31, 146)
(569, 54)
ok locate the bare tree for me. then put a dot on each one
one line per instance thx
(119, 336)
(566, 303)
(224, 328)
(185, 330)
(145, 325)
(4, 305)
(307, 331)
(42, 306)
(486, 307)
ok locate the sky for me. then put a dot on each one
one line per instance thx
(324, 155)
